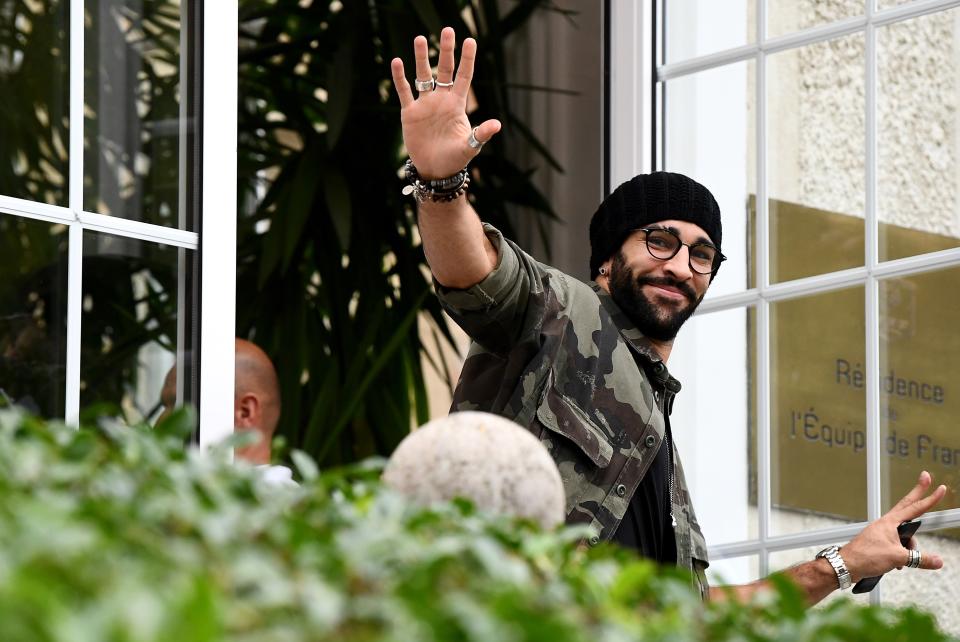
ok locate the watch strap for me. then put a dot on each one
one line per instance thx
(832, 555)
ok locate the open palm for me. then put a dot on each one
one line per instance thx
(435, 124)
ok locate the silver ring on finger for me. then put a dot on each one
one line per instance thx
(445, 85)
(472, 140)
(916, 557)
(425, 85)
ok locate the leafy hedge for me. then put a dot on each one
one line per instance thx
(116, 533)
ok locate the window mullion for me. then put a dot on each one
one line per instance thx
(219, 212)
(74, 315)
(872, 294)
(75, 203)
(763, 309)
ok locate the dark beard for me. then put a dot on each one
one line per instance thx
(655, 322)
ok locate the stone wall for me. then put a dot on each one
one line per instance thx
(917, 133)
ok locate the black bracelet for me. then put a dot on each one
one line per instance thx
(440, 190)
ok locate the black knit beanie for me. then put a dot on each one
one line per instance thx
(646, 199)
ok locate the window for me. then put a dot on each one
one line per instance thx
(821, 365)
(104, 193)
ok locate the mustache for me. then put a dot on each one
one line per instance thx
(684, 288)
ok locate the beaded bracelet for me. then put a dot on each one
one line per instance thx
(440, 190)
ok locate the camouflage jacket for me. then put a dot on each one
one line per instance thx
(559, 357)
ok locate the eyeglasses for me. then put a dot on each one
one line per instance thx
(664, 244)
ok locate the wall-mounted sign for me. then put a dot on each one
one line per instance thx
(819, 378)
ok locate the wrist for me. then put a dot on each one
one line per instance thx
(437, 190)
(837, 565)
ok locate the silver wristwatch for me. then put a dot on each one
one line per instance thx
(832, 555)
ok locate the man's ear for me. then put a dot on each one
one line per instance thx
(247, 411)
(603, 278)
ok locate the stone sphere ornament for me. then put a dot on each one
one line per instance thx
(479, 456)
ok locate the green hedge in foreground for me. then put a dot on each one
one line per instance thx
(115, 533)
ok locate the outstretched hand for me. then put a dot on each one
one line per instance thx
(877, 549)
(435, 123)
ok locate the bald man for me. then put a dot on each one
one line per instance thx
(256, 400)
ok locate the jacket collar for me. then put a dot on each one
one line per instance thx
(640, 345)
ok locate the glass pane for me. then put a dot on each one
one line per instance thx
(709, 135)
(815, 149)
(718, 377)
(139, 121)
(887, 4)
(132, 335)
(35, 107)
(694, 28)
(733, 570)
(817, 411)
(781, 560)
(33, 315)
(935, 591)
(787, 16)
(919, 371)
(918, 153)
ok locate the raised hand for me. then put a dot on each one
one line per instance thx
(436, 129)
(877, 549)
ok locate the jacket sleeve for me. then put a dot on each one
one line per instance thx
(507, 307)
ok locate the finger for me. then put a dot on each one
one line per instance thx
(421, 55)
(486, 130)
(916, 493)
(400, 82)
(912, 544)
(931, 562)
(448, 41)
(468, 55)
(921, 506)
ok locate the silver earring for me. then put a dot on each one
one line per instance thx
(603, 271)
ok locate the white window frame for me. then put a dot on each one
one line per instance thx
(219, 213)
(636, 146)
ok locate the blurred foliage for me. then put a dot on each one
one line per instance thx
(331, 276)
(112, 533)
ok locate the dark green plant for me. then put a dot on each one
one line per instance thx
(331, 277)
(115, 533)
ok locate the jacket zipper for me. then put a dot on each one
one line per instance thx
(668, 438)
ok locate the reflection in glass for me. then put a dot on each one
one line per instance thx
(918, 153)
(817, 411)
(138, 101)
(935, 591)
(815, 149)
(699, 27)
(34, 100)
(129, 334)
(919, 375)
(712, 421)
(787, 16)
(709, 136)
(33, 315)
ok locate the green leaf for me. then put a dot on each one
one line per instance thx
(337, 194)
(180, 423)
(305, 464)
(340, 86)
